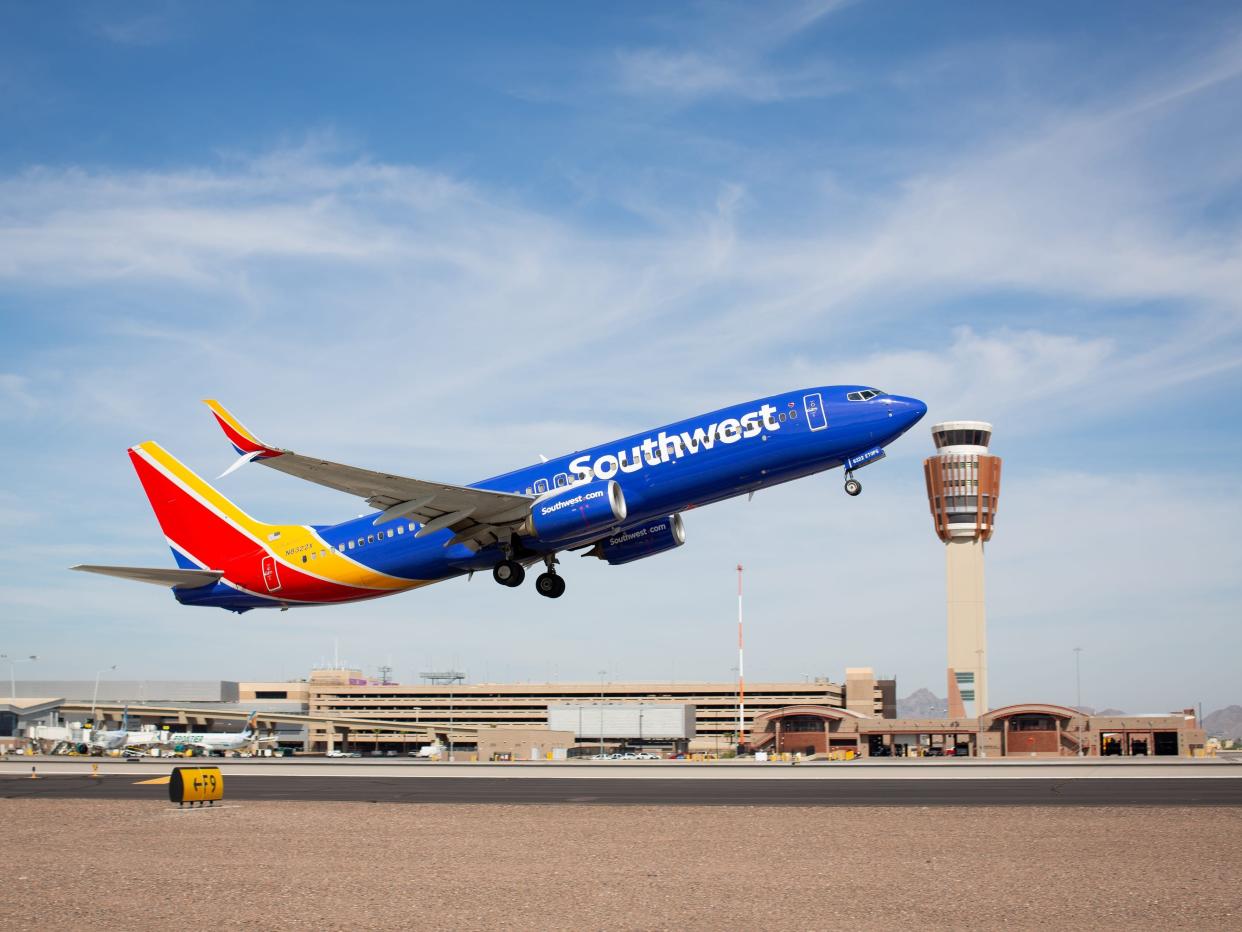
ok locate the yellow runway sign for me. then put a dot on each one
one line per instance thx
(196, 785)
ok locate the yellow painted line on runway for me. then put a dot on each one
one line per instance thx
(157, 780)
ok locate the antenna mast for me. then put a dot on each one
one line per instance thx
(741, 676)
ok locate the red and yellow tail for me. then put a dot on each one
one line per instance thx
(204, 528)
(281, 562)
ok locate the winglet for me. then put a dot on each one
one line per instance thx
(244, 442)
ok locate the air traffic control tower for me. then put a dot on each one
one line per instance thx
(963, 486)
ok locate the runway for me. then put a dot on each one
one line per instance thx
(656, 791)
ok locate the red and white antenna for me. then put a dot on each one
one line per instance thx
(741, 676)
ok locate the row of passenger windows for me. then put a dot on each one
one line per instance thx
(377, 538)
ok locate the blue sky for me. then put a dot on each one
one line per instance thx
(443, 240)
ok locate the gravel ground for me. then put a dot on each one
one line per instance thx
(75, 864)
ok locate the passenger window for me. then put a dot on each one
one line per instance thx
(390, 533)
(340, 547)
(400, 528)
(541, 486)
(561, 480)
(412, 529)
(361, 541)
(303, 558)
(370, 538)
(351, 545)
(781, 418)
(793, 414)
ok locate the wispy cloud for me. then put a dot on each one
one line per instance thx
(156, 24)
(733, 57)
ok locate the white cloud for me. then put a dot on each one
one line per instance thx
(16, 399)
(729, 56)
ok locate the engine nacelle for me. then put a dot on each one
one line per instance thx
(644, 540)
(576, 511)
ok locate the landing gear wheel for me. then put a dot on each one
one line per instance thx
(550, 585)
(852, 486)
(508, 573)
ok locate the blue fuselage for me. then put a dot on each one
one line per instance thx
(674, 468)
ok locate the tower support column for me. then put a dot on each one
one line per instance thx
(967, 622)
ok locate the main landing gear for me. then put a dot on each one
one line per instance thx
(852, 485)
(549, 584)
(511, 573)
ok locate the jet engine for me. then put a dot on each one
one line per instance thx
(576, 511)
(643, 540)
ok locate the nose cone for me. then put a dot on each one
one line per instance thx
(909, 410)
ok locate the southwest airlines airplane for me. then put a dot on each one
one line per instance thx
(620, 502)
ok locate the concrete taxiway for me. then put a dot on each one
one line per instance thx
(1187, 783)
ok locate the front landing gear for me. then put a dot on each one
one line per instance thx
(852, 486)
(508, 573)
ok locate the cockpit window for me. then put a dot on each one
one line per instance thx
(865, 395)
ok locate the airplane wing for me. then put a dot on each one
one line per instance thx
(478, 517)
(177, 579)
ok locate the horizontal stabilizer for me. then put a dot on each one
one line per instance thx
(177, 579)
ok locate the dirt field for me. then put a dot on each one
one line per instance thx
(74, 864)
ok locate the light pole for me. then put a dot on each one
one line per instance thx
(13, 662)
(95, 696)
(1078, 691)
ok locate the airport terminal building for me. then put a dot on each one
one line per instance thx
(337, 709)
(459, 710)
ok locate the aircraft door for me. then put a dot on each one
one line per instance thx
(270, 577)
(813, 407)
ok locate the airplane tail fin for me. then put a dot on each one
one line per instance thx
(251, 723)
(204, 529)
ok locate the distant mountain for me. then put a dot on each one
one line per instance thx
(922, 703)
(1224, 723)
(1091, 710)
